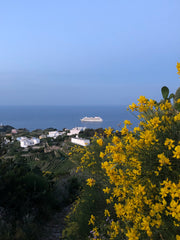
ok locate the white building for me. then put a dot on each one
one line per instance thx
(76, 131)
(6, 140)
(35, 141)
(42, 136)
(80, 141)
(62, 133)
(26, 142)
(55, 134)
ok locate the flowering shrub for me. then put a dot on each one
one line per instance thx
(143, 170)
(139, 175)
(178, 68)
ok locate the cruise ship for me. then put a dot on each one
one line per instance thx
(91, 119)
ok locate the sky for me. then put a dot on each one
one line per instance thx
(87, 52)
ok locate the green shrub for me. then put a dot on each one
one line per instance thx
(26, 197)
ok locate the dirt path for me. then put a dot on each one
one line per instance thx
(53, 229)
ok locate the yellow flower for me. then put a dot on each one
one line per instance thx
(163, 159)
(109, 200)
(132, 234)
(46, 173)
(169, 143)
(177, 117)
(92, 220)
(133, 107)
(145, 225)
(106, 213)
(95, 233)
(151, 103)
(91, 182)
(106, 190)
(177, 152)
(100, 142)
(119, 209)
(115, 228)
(142, 100)
(127, 122)
(108, 131)
(155, 122)
(165, 106)
(173, 204)
(178, 68)
(101, 155)
(148, 137)
(124, 130)
(137, 129)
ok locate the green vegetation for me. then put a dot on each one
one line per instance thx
(26, 197)
(34, 183)
(6, 129)
(131, 179)
(124, 185)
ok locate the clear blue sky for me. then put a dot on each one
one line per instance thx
(87, 52)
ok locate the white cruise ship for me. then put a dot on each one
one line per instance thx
(91, 119)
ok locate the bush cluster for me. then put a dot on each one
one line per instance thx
(26, 197)
(132, 178)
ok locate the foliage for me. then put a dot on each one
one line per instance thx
(89, 132)
(165, 92)
(26, 197)
(136, 177)
(5, 129)
(91, 199)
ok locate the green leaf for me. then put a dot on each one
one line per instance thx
(177, 106)
(171, 96)
(165, 92)
(177, 94)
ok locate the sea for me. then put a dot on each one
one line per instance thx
(59, 117)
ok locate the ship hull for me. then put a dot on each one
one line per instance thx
(91, 119)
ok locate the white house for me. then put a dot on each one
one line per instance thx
(6, 140)
(75, 131)
(80, 141)
(26, 142)
(53, 134)
(42, 136)
(35, 141)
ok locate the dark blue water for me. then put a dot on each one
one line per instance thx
(34, 117)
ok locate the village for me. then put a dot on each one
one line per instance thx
(27, 140)
(48, 149)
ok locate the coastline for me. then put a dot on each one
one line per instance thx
(59, 117)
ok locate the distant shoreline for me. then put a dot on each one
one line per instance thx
(60, 117)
